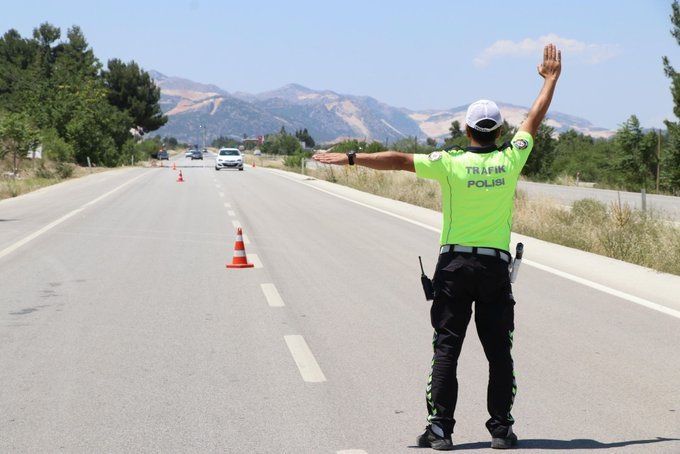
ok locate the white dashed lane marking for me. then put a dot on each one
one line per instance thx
(231, 213)
(304, 359)
(272, 295)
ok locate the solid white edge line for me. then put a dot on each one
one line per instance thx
(603, 288)
(68, 215)
(227, 205)
(231, 213)
(380, 210)
(272, 295)
(351, 451)
(222, 194)
(304, 359)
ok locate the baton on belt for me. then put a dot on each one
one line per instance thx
(516, 262)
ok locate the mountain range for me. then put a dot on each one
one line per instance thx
(327, 115)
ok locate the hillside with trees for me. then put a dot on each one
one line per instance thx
(54, 92)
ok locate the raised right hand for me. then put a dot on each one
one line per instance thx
(552, 63)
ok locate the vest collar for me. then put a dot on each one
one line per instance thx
(484, 149)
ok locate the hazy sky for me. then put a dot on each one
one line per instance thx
(414, 54)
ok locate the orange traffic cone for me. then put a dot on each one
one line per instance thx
(180, 178)
(240, 259)
(173, 166)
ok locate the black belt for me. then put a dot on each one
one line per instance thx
(476, 251)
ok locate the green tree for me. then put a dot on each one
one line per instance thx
(303, 136)
(671, 160)
(16, 57)
(539, 164)
(96, 128)
(171, 143)
(637, 153)
(281, 144)
(455, 130)
(132, 90)
(17, 136)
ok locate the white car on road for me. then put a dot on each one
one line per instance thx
(229, 158)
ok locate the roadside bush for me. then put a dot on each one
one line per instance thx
(43, 172)
(64, 170)
(143, 150)
(56, 148)
(295, 160)
(589, 210)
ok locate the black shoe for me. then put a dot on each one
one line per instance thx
(506, 442)
(430, 439)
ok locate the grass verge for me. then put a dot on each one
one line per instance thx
(47, 174)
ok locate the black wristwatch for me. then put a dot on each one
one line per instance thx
(351, 155)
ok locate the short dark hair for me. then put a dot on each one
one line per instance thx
(485, 138)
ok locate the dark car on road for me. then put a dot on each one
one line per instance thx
(196, 155)
(163, 155)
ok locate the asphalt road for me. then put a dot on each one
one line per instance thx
(122, 331)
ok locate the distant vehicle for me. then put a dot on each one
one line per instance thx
(188, 153)
(196, 155)
(205, 151)
(163, 155)
(229, 158)
(257, 152)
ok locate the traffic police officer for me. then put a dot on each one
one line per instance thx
(478, 186)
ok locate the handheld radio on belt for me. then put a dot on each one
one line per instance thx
(427, 282)
(516, 262)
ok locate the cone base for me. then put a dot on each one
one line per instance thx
(240, 265)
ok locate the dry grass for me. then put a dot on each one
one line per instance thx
(403, 186)
(32, 178)
(615, 230)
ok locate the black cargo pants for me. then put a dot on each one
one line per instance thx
(461, 279)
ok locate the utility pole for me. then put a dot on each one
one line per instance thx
(658, 158)
(201, 132)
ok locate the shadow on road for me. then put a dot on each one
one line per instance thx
(578, 443)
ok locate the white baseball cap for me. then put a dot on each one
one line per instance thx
(483, 110)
